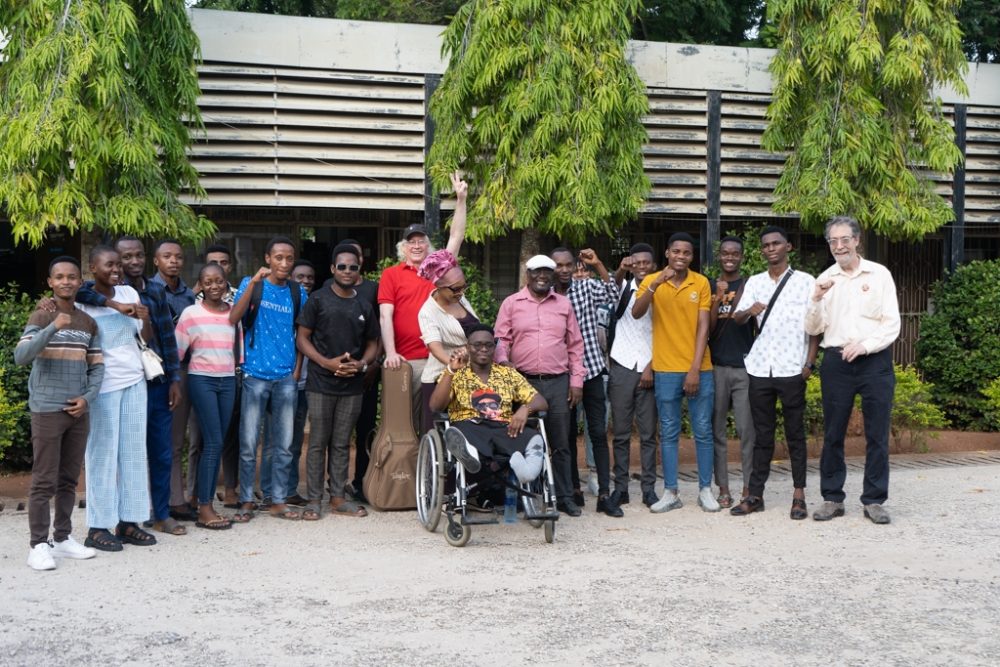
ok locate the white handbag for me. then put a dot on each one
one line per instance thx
(152, 364)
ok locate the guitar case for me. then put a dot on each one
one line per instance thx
(390, 481)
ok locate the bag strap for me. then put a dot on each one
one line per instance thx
(257, 295)
(774, 297)
(624, 299)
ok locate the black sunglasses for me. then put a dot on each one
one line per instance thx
(348, 267)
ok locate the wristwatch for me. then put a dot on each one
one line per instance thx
(811, 365)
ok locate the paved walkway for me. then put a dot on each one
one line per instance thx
(684, 588)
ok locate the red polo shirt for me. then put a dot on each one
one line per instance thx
(406, 291)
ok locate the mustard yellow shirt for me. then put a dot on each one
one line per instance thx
(675, 321)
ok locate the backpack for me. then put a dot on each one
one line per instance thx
(256, 296)
(391, 480)
(619, 311)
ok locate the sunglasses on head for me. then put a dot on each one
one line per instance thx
(348, 267)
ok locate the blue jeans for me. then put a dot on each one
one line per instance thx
(258, 396)
(669, 389)
(267, 454)
(212, 398)
(159, 446)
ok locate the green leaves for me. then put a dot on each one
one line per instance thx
(95, 98)
(852, 102)
(541, 110)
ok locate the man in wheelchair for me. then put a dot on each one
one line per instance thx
(480, 395)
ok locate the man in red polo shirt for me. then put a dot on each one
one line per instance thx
(401, 293)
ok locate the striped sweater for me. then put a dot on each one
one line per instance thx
(209, 337)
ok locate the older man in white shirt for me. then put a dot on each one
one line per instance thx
(854, 306)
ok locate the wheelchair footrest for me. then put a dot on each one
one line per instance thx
(553, 515)
(481, 520)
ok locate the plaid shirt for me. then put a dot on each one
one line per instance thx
(153, 296)
(586, 296)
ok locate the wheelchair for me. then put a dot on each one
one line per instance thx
(442, 489)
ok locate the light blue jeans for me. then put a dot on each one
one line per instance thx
(669, 389)
(282, 395)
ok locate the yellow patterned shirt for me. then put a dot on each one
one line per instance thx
(505, 382)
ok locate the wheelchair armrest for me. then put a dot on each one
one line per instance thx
(534, 419)
(441, 416)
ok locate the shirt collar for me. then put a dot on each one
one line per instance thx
(864, 267)
(525, 294)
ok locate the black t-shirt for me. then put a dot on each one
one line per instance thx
(338, 325)
(730, 342)
(367, 290)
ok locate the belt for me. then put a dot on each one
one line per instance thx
(541, 376)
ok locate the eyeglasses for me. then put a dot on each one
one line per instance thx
(420, 241)
(482, 346)
(456, 289)
(488, 405)
(348, 267)
(842, 240)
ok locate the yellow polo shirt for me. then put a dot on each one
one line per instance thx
(675, 321)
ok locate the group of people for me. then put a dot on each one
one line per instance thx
(254, 362)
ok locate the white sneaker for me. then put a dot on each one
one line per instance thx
(668, 502)
(40, 557)
(707, 500)
(70, 548)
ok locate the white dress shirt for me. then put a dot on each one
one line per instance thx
(780, 350)
(633, 346)
(859, 308)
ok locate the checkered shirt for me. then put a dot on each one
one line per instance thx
(586, 296)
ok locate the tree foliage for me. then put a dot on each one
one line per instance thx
(980, 21)
(542, 111)
(852, 103)
(404, 11)
(96, 99)
(724, 22)
(959, 345)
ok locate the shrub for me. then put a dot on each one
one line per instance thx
(479, 293)
(15, 420)
(914, 415)
(959, 346)
(992, 394)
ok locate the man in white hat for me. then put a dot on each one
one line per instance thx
(538, 334)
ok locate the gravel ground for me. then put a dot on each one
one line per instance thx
(684, 588)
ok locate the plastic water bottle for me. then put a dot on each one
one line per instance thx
(510, 502)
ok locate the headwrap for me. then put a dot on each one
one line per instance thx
(436, 265)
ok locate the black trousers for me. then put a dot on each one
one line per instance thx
(873, 378)
(764, 395)
(595, 409)
(363, 432)
(557, 423)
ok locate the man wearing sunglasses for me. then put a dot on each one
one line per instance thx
(338, 332)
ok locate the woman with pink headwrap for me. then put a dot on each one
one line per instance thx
(444, 319)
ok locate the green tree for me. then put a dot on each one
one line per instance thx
(96, 99)
(725, 22)
(980, 23)
(403, 11)
(852, 102)
(542, 111)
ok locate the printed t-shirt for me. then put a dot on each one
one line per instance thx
(272, 355)
(730, 342)
(505, 382)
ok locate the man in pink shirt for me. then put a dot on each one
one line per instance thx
(537, 333)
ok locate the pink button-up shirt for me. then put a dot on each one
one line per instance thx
(540, 337)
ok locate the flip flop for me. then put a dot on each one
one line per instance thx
(310, 514)
(242, 515)
(169, 526)
(288, 514)
(218, 523)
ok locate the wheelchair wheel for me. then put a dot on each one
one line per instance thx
(550, 531)
(532, 505)
(456, 534)
(430, 458)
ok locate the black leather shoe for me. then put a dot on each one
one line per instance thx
(649, 498)
(749, 505)
(610, 506)
(569, 508)
(578, 498)
(624, 499)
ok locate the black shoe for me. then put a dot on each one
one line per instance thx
(569, 508)
(749, 505)
(183, 513)
(649, 498)
(578, 498)
(623, 498)
(610, 506)
(296, 500)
